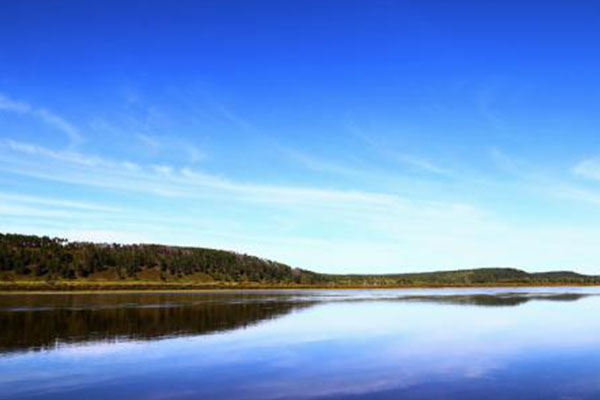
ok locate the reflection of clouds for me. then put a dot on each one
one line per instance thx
(99, 349)
(361, 371)
(420, 345)
(60, 370)
(365, 372)
(168, 395)
(46, 380)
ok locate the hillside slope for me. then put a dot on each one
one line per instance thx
(35, 258)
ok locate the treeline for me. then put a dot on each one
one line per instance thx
(54, 258)
(28, 257)
(480, 276)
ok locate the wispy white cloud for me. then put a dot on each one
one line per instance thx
(318, 165)
(54, 202)
(61, 124)
(589, 168)
(7, 104)
(419, 163)
(180, 182)
(160, 145)
(60, 155)
(406, 159)
(143, 138)
(504, 162)
(230, 116)
(195, 154)
(28, 211)
(533, 179)
(162, 169)
(570, 192)
(44, 115)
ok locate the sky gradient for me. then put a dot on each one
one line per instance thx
(355, 136)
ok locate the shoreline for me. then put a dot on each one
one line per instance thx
(141, 287)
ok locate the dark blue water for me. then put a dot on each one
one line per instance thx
(392, 344)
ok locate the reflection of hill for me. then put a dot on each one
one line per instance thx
(48, 321)
(490, 300)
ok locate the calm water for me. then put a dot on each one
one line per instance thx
(392, 344)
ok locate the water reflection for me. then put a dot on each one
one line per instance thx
(43, 322)
(489, 300)
(344, 345)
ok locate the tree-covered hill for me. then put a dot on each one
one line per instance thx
(33, 258)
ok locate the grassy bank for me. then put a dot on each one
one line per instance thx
(74, 286)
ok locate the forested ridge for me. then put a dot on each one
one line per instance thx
(31, 258)
(55, 258)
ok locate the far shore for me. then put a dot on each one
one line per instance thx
(75, 287)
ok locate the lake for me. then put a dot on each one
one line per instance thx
(509, 343)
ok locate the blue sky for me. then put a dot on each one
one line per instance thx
(355, 136)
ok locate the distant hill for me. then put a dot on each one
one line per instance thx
(478, 276)
(28, 258)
